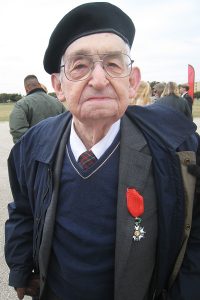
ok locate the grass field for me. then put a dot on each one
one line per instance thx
(196, 109)
(6, 108)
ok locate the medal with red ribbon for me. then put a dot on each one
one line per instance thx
(135, 204)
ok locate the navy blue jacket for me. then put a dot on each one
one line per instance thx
(30, 169)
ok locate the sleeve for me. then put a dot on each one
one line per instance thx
(18, 122)
(187, 110)
(194, 169)
(19, 226)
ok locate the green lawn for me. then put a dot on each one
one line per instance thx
(196, 109)
(6, 108)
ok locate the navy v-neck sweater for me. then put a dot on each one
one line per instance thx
(82, 262)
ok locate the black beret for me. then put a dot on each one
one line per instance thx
(83, 20)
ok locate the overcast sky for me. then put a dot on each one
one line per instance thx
(167, 38)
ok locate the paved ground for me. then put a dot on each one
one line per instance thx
(7, 293)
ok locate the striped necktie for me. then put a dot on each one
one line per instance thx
(87, 159)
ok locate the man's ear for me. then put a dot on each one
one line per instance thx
(134, 80)
(56, 83)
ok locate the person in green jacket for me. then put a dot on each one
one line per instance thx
(36, 106)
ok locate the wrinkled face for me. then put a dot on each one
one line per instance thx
(99, 96)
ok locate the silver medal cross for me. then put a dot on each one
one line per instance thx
(138, 232)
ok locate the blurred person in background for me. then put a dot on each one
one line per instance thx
(171, 97)
(36, 106)
(157, 91)
(184, 88)
(143, 93)
(44, 87)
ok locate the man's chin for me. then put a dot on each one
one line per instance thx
(98, 115)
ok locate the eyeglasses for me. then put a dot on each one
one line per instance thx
(79, 67)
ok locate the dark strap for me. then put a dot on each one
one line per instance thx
(48, 229)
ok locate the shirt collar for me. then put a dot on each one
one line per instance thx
(98, 149)
(184, 94)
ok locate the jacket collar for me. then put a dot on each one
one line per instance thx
(43, 140)
(36, 90)
(133, 172)
(163, 124)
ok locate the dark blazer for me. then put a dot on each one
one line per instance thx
(189, 100)
(178, 103)
(36, 191)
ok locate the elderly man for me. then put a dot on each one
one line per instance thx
(101, 210)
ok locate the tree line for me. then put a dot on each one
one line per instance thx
(6, 98)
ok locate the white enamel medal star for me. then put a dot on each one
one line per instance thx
(138, 233)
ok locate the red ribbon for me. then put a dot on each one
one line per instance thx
(135, 202)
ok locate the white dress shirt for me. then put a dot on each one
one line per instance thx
(183, 94)
(98, 149)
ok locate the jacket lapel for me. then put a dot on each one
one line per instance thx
(133, 172)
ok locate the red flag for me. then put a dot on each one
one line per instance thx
(191, 76)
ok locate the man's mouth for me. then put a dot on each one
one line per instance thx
(98, 98)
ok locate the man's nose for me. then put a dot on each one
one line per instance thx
(98, 77)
